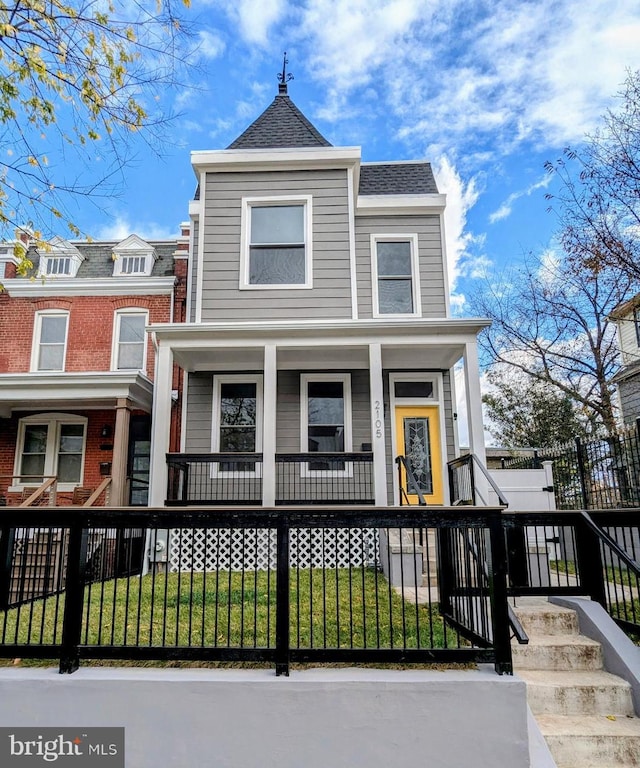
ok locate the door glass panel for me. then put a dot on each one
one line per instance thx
(417, 452)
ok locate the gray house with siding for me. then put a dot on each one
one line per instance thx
(627, 319)
(319, 344)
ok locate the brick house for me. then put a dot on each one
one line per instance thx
(77, 367)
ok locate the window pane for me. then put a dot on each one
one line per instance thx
(418, 389)
(277, 266)
(326, 402)
(32, 464)
(237, 439)
(131, 357)
(395, 297)
(51, 357)
(35, 438)
(132, 327)
(71, 438)
(69, 467)
(326, 439)
(238, 403)
(417, 451)
(53, 329)
(394, 258)
(277, 224)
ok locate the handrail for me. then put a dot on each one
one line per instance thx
(39, 491)
(98, 492)
(472, 458)
(612, 543)
(411, 481)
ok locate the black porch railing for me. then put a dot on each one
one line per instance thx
(463, 472)
(301, 479)
(578, 553)
(324, 478)
(267, 585)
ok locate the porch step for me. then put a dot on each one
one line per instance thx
(539, 617)
(581, 741)
(558, 653)
(577, 693)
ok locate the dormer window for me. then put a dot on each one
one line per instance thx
(276, 250)
(133, 257)
(60, 259)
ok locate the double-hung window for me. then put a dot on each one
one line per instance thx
(326, 418)
(395, 275)
(237, 420)
(49, 340)
(51, 445)
(276, 243)
(130, 340)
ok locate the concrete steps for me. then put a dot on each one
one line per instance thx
(585, 714)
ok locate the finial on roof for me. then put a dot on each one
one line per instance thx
(283, 77)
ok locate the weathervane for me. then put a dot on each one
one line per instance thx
(283, 77)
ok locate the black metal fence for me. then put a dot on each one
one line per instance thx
(600, 473)
(265, 585)
(301, 478)
(593, 553)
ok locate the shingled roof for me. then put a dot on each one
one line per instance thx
(397, 179)
(282, 124)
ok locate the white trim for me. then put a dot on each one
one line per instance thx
(436, 400)
(412, 239)
(275, 201)
(183, 412)
(352, 245)
(218, 380)
(445, 267)
(345, 380)
(37, 332)
(399, 205)
(53, 421)
(115, 339)
(283, 158)
(195, 221)
(19, 287)
(200, 272)
(269, 432)
(133, 247)
(378, 437)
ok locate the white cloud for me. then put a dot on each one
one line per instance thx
(210, 45)
(120, 227)
(506, 208)
(255, 18)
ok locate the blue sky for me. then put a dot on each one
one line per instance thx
(486, 91)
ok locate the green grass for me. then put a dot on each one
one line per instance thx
(336, 608)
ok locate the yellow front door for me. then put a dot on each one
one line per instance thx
(418, 440)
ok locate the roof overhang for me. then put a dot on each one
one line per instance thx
(432, 343)
(101, 286)
(221, 160)
(400, 205)
(44, 391)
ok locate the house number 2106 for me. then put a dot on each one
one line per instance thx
(377, 424)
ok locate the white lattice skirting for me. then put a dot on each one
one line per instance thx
(197, 549)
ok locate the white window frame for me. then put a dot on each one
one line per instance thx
(59, 249)
(115, 344)
(53, 421)
(218, 381)
(345, 379)
(276, 201)
(411, 238)
(37, 331)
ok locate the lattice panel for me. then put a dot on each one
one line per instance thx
(248, 549)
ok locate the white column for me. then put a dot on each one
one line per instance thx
(377, 426)
(160, 426)
(120, 454)
(270, 397)
(474, 416)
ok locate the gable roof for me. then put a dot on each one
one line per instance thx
(281, 125)
(397, 179)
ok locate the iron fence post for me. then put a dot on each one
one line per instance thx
(498, 594)
(7, 536)
(74, 596)
(282, 600)
(589, 563)
(582, 473)
(445, 569)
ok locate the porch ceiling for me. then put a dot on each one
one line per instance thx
(46, 391)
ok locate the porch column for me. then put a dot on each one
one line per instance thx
(160, 426)
(474, 415)
(270, 397)
(120, 454)
(377, 426)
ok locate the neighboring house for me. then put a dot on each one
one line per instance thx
(627, 319)
(76, 366)
(319, 343)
